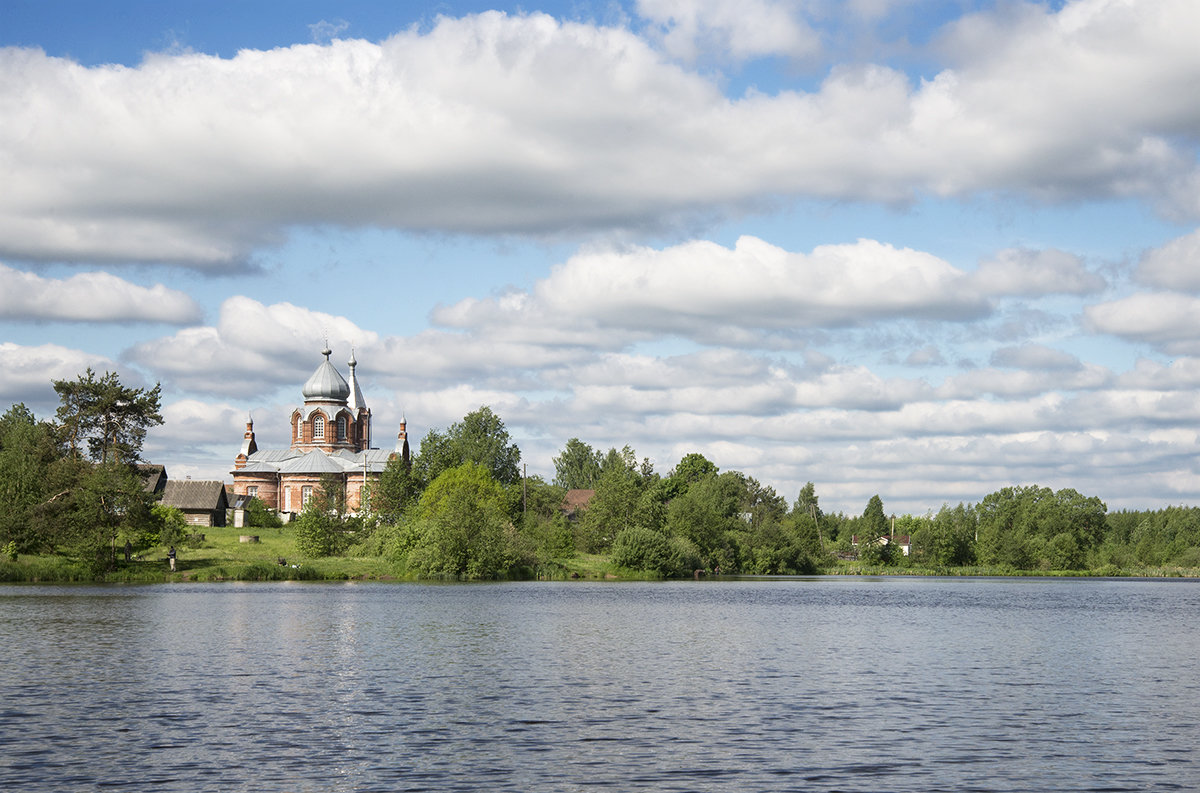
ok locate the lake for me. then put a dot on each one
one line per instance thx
(813, 684)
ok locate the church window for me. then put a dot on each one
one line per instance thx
(318, 427)
(341, 424)
(305, 495)
(252, 491)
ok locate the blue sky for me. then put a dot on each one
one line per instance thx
(924, 250)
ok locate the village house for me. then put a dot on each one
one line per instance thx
(331, 435)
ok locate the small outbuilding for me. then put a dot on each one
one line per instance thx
(203, 502)
(575, 502)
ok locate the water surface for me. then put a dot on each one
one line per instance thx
(817, 684)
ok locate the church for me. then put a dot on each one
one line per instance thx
(331, 434)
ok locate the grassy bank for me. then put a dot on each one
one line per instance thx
(1109, 571)
(221, 556)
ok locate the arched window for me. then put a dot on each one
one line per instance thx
(341, 428)
(318, 427)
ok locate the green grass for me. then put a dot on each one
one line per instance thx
(221, 557)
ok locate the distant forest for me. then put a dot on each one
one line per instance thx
(462, 510)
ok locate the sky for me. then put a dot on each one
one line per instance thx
(924, 250)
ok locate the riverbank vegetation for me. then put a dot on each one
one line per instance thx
(76, 509)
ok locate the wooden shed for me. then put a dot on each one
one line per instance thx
(202, 501)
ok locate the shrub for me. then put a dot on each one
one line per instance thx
(642, 549)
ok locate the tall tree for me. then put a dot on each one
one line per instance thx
(396, 491)
(27, 449)
(872, 531)
(692, 468)
(614, 507)
(578, 467)
(112, 419)
(806, 501)
(479, 438)
(707, 515)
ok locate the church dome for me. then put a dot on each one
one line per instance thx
(326, 383)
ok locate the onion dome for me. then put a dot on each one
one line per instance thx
(326, 383)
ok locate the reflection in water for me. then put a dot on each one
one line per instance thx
(815, 684)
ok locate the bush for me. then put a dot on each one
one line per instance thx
(319, 533)
(172, 526)
(259, 515)
(461, 527)
(643, 549)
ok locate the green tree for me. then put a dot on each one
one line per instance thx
(479, 438)
(259, 515)
(577, 467)
(1032, 527)
(322, 528)
(806, 501)
(948, 540)
(872, 534)
(112, 419)
(459, 527)
(614, 507)
(93, 505)
(542, 525)
(397, 490)
(27, 450)
(172, 528)
(89, 503)
(707, 514)
(692, 468)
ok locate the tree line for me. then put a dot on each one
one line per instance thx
(463, 509)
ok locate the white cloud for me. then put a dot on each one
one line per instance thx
(755, 294)
(1161, 319)
(253, 349)
(325, 30)
(91, 297)
(1175, 265)
(522, 124)
(28, 372)
(1031, 273)
(720, 29)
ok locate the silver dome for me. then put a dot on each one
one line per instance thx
(326, 383)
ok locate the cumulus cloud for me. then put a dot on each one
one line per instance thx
(91, 297)
(1175, 265)
(1163, 320)
(495, 124)
(1032, 273)
(253, 349)
(28, 372)
(698, 29)
(754, 294)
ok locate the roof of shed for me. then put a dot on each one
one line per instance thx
(195, 494)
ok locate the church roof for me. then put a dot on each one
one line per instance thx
(290, 461)
(315, 462)
(326, 383)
